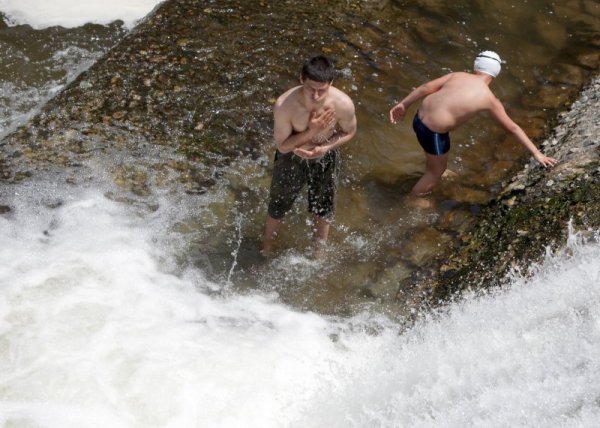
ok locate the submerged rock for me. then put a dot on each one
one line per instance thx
(189, 92)
(184, 85)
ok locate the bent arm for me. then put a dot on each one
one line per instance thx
(285, 141)
(348, 129)
(499, 114)
(348, 126)
(399, 110)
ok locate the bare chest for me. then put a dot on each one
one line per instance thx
(301, 119)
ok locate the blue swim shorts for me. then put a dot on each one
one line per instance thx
(433, 143)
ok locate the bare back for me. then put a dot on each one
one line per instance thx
(460, 97)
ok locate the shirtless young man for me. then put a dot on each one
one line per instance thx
(311, 121)
(448, 102)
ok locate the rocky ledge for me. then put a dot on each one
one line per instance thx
(531, 215)
(180, 97)
(183, 96)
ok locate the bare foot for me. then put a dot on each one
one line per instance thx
(449, 175)
(419, 202)
(265, 254)
(267, 250)
(318, 249)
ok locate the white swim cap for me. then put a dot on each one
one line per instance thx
(488, 62)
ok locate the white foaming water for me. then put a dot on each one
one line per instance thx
(19, 103)
(74, 13)
(95, 332)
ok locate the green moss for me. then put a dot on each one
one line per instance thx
(519, 236)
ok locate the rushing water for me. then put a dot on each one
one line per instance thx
(99, 329)
(383, 52)
(103, 324)
(383, 49)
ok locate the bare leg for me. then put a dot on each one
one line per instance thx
(272, 226)
(321, 229)
(321, 232)
(434, 168)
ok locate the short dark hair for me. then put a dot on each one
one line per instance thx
(318, 68)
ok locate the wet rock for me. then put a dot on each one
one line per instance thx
(387, 283)
(493, 175)
(354, 203)
(460, 193)
(566, 74)
(416, 251)
(548, 97)
(183, 96)
(591, 60)
(532, 212)
(456, 220)
(552, 34)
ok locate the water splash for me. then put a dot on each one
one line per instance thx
(95, 332)
(72, 13)
(238, 243)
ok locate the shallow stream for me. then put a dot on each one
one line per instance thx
(383, 49)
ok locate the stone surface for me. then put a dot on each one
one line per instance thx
(168, 107)
(533, 211)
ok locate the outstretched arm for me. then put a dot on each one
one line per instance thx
(499, 114)
(399, 110)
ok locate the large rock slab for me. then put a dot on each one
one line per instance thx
(184, 93)
(534, 212)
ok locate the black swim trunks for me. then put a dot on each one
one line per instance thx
(433, 143)
(291, 173)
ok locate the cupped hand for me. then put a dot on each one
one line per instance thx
(397, 113)
(312, 153)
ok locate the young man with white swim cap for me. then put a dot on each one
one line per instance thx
(448, 102)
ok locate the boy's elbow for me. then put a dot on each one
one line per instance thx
(424, 90)
(428, 88)
(282, 148)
